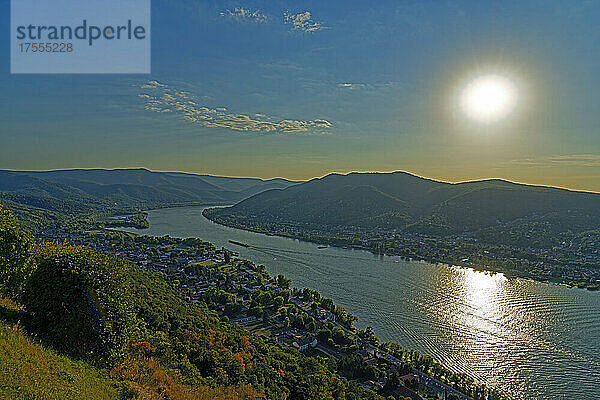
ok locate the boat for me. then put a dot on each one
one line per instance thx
(322, 247)
(239, 244)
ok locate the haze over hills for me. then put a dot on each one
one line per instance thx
(131, 187)
(403, 202)
(492, 210)
(52, 197)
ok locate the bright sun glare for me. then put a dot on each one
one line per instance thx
(489, 98)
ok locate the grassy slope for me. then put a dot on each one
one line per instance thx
(30, 371)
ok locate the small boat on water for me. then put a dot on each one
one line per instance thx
(240, 244)
(322, 247)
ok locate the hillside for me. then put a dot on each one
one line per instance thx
(29, 370)
(402, 202)
(132, 187)
(82, 324)
(65, 193)
(24, 364)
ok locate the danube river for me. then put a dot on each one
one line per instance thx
(531, 340)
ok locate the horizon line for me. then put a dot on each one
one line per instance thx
(333, 172)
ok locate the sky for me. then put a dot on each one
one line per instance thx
(299, 89)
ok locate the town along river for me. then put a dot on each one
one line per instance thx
(532, 340)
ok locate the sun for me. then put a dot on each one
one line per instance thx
(489, 98)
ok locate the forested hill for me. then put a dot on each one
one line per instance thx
(80, 324)
(133, 187)
(408, 203)
(52, 195)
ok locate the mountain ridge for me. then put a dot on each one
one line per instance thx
(61, 194)
(135, 187)
(424, 206)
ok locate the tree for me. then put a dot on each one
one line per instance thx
(354, 367)
(278, 302)
(282, 312)
(16, 255)
(327, 304)
(368, 336)
(283, 282)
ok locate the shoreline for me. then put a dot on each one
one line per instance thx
(262, 240)
(507, 274)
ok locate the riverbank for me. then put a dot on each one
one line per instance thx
(523, 268)
(518, 335)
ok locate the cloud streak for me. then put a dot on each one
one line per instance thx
(351, 86)
(369, 86)
(161, 98)
(578, 160)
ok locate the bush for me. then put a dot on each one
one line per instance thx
(79, 301)
(16, 249)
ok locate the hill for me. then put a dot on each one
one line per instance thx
(25, 363)
(132, 187)
(80, 324)
(402, 202)
(58, 195)
(29, 370)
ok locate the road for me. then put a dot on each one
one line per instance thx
(431, 382)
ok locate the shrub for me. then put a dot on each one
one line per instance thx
(79, 301)
(16, 249)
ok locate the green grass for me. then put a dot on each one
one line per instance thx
(205, 263)
(30, 371)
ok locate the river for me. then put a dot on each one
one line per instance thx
(531, 340)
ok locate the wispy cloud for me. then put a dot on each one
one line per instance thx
(244, 14)
(161, 98)
(302, 22)
(347, 85)
(579, 160)
(369, 86)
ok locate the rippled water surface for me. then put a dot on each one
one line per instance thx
(531, 340)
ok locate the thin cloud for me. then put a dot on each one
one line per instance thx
(302, 22)
(369, 86)
(161, 98)
(351, 85)
(578, 160)
(244, 14)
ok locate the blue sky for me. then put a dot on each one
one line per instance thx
(264, 89)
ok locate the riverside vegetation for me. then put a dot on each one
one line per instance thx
(171, 332)
(543, 233)
(95, 325)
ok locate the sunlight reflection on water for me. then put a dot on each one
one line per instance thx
(531, 340)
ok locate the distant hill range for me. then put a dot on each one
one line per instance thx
(71, 191)
(495, 209)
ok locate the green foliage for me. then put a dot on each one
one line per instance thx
(16, 251)
(101, 308)
(459, 381)
(193, 342)
(327, 304)
(137, 220)
(103, 193)
(354, 367)
(335, 208)
(80, 302)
